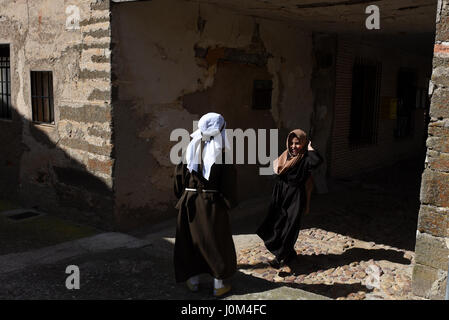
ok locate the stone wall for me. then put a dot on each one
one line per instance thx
(432, 240)
(64, 167)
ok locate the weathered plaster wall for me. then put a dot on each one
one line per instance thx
(348, 160)
(174, 61)
(68, 163)
(432, 239)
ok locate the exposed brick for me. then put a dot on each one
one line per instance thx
(86, 113)
(105, 45)
(94, 74)
(435, 188)
(100, 95)
(106, 135)
(101, 33)
(100, 59)
(100, 5)
(100, 166)
(85, 146)
(94, 21)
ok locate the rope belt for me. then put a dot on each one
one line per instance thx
(204, 190)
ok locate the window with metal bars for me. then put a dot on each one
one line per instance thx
(5, 82)
(366, 78)
(42, 96)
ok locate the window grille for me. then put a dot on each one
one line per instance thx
(5, 82)
(42, 96)
(366, 82)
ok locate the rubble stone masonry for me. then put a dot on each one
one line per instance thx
(432, 240)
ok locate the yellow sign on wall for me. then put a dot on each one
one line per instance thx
(388, 108)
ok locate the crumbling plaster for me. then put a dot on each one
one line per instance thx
(155, 67)
(78, 59)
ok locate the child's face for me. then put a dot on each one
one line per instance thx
(296, 146)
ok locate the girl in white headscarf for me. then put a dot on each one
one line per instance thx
(206, 188)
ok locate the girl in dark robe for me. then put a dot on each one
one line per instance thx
(206, 190)
(293, 168)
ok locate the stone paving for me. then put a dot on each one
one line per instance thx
(325, 258)
(357, 242)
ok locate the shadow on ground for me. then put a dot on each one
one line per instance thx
(306, 264)
(133, 274)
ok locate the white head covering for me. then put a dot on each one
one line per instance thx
(211, 129)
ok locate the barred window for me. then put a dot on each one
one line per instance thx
(5, 82)
(366, 78)
(42, 96)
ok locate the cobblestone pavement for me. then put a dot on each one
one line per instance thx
(357, 242)
(334, 265)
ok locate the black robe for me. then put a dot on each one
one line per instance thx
(280, 229)
(203, 235)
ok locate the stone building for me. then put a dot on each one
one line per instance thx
(432, 238)
(92, 89)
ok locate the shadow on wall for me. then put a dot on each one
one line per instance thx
(37, 173)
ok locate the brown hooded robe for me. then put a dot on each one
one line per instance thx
(203, 236)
